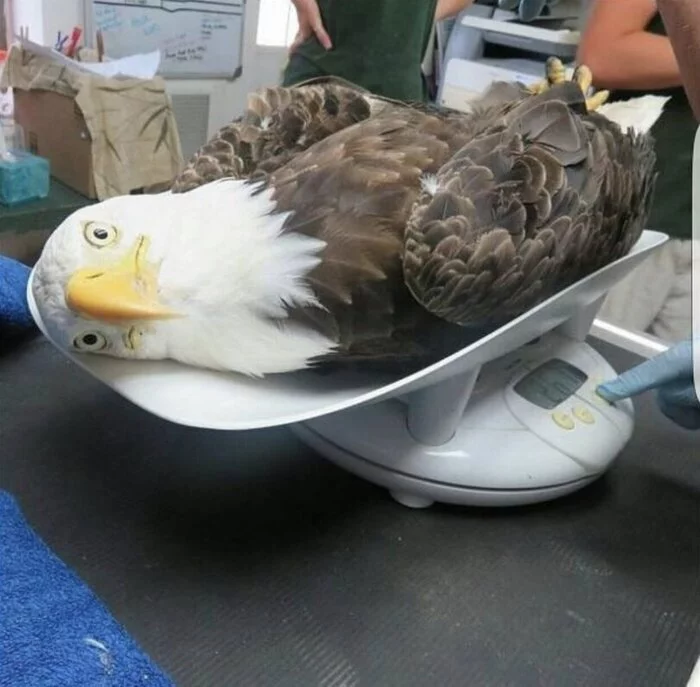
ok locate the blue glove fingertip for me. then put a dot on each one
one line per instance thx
(610, 391)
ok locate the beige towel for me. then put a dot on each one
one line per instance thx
(656, 297)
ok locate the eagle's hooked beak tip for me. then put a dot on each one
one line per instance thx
(124, 291)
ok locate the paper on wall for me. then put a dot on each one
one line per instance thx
(136, 66)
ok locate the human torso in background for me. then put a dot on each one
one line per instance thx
(674, 133)
(377, 44)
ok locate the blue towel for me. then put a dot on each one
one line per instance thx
(53, 631)
(14, 309)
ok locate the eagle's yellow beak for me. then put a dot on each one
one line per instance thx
(127, 290)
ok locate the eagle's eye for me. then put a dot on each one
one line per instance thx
(90, 342)
(100, 234)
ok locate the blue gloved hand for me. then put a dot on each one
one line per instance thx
(671, 374)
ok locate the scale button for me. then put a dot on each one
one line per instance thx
(599, 399)
(584, 415)
(563, 420)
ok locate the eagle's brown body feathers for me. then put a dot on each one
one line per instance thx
(531, 192)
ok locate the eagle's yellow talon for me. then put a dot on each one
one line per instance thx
(555, 71)
(583, 77)
(596, 100)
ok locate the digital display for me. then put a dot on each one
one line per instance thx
(551, 383)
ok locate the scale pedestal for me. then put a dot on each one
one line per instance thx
(434, 445)
(512, 418)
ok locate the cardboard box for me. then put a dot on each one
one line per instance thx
(55, 128)
(103, 136)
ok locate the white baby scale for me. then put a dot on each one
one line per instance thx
(511, 419)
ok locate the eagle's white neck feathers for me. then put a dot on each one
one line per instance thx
(234, 226)
(225, 264)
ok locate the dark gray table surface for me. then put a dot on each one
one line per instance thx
(245, 559)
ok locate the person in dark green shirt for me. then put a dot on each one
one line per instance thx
(378, 45)
(625, 45)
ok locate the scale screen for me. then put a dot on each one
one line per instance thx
(551, 383)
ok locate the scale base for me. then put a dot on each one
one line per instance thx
(475, 440)
(419, 493)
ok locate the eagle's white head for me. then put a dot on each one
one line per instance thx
(203, 277)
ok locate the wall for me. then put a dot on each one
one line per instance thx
(27, 13)
(60, 15)
(262, 66)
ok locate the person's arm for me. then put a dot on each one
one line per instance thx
(448, 8)
(682, 21)
(621, 54)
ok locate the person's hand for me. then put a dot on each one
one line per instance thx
(310, 23)
(671, 374)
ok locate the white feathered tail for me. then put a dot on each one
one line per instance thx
(639, 114)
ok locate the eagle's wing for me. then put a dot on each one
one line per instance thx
(355, 191)
(544, 195)
(278, 123)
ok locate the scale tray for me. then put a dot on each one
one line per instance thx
(225, 401)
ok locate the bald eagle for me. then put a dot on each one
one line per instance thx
(327, 225)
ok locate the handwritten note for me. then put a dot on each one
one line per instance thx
(145, 24)
(107, 18)
(212, 24)
(195, 54)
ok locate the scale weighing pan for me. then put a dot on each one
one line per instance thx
(435, 397)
